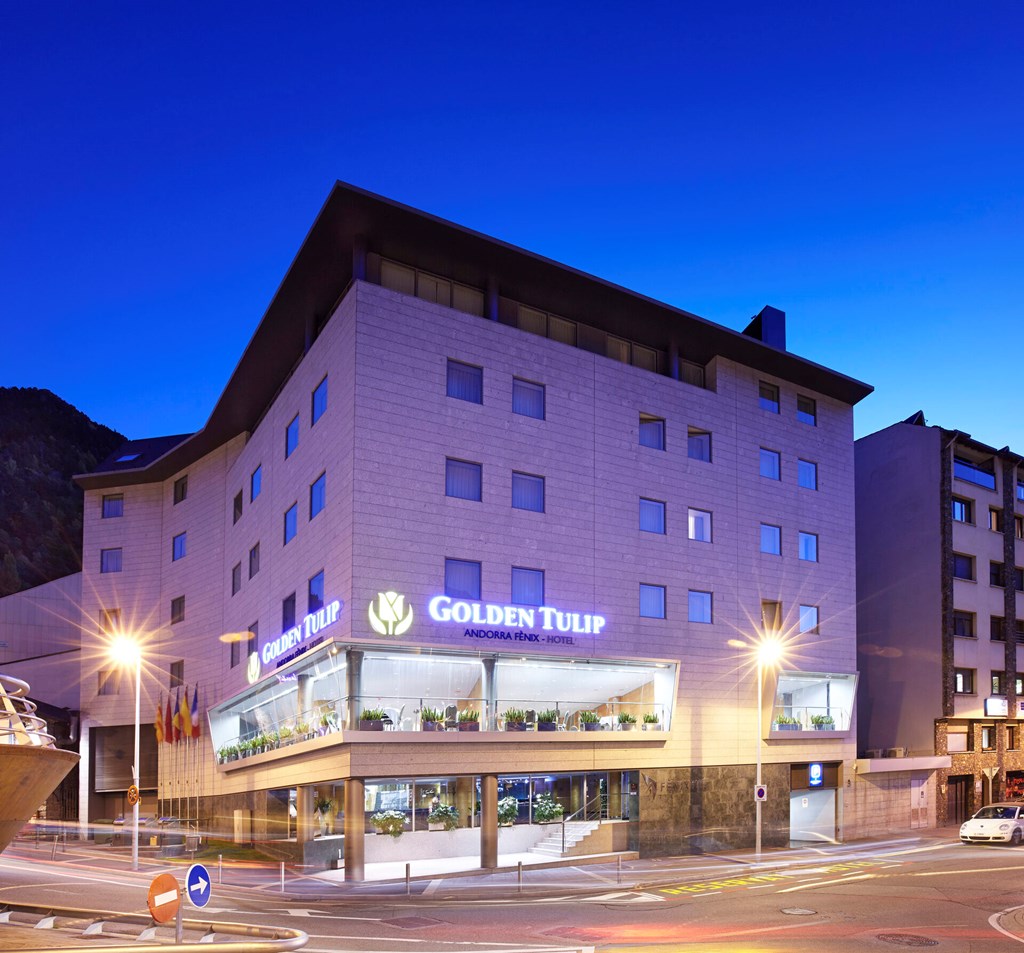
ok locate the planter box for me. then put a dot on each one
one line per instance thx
(652, 726)
(515, 726)
(435, 827)
(626, 725)
(829, 727)
(547, 726)
(371, 725)
(787, 727)
(469, 726)
(592, 726)
(432, 726)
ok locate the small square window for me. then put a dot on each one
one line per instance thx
(963, 681)
(236, 508)
(113, 506)
(807, 474)
(527, 398)
(652, 516)
(963, 624)
(178, 547)
(995, 518)
(771, 616)
(288, 612)
(291, 437)
(963, 510)
(180, 489)
(291, 523)
(462, 579)
(699, 525)
(771, 539)
(236, 578)
(963, 566)
(110, 620)
(319, 401)
(465, 382)
(652, 601)
(771, 465)
(110, 560)
(317, 495)
(698, 444)
(527, 492)
(807, 410)
(255, 483)
(808, 618)
(254, 560)
(699, 606)
(527, 587)
(315, 594)
(768, 397)
(652, 432)
(808, 547)
(463, 480)
(177, 610)
(177, 673)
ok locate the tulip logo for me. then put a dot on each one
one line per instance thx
(391, 615)
(252, 671)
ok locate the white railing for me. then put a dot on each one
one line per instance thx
(19, 724)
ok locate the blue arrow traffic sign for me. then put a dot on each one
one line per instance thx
(197, 885)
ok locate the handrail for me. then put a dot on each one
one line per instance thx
(583, 810)
(19, 724)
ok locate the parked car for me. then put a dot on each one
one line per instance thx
(1001, 823)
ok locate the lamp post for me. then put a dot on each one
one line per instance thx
(128, 652)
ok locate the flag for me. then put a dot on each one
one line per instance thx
(195, 712)
(158, 725)
(186, 718)
(168, 723)
(176, 719)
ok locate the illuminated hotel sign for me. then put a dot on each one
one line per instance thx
(815, 775)
(309, 628)
(446, 609)
(391, 616)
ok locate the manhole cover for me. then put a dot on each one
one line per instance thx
(411, 923)
(906, 939)
(799, 911)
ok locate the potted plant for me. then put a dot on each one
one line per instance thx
(823, 722)
(547, 720)
(431, 719)
(227, 753)
(287, 733)
(626, 721)
(389, 822)
(651, 722)
(328, 722)
(508, 811)
(786, 723)
(324, 806)
(469, 720)
(590, 721)
(546, 809)
(515, 719)
(302, 730)
(372, 719)
(443, 817)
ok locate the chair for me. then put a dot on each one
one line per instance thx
(451, 718)
(531, 719)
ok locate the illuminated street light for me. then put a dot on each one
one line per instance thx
(126, 651)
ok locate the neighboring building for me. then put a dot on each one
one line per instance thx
(448, 473)
(940, 546)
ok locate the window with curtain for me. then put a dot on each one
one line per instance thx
(461, 579)
(465, 382)
(699, 525)
(527, 586)
(317, 495)
(698, 444)
(178, 546)
(808, 618)
(463, 479)
(652, 432)
(652, 516)
(528, 492)
(652, 601)
(771, 539)
(809, 547)
(110, 560)
(699, 606)
(771, 466)
(254, 560)
(527, 398)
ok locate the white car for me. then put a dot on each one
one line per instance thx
(1001, 823)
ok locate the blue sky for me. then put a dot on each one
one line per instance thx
(859, 168)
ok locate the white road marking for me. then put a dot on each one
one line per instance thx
(825, 883)
(993, 921)
(976, 870)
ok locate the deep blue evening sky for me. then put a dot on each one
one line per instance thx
(860, 166)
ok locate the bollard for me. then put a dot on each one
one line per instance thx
(618, 872)
(520, 875)
(282, 876)
(408, 879)
(178, 926)
(220, 868)
(53, 853)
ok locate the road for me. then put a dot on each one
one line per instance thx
(930, 893)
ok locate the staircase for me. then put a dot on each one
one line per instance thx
(576, 834)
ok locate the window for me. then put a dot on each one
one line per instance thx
(963, 510)
(807, 410)
(254, 637)
(771, 616)
(180, 489)
(315, 593)
(113, 506)
(699, 606)
(996, 627)
(771, 539)
(527, 398)
(110, 620)
(465, 382)
(770, 464)
(768, 397)
(652, 516)
(527, 586)
(963, 624)
(236, 508)
(319, 401)
(652, 601)
(998, 683)
(699, 525)
(1018, 579)
(1020, 490)
(808, 547)
(287, 612)
(995, 518)
(1018, 527)
(1018, 685)
(652, 432)
(110, 560)
(109, 682)
(178, 547)
(527, 492)
(291, 523)
(976, 473)
(236, 578)
(808, 618)
(235, 650)
(177, 673)
(698, 444)
(963, 681)
(462, 479)
(461, 579)
(254, 560)
(988, 738)
(996, 574)
(1011, 737)
(255, 483)
(317, 495)
(807, 474)
(127, 457)
(291, 437)
(963, 566)
(177, 610)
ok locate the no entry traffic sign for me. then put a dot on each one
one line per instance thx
(164, 898)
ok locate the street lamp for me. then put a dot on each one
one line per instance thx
(126, 652)
(768, 651)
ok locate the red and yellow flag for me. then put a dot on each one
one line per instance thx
(186, 718)
(176, 718)
(158, 724)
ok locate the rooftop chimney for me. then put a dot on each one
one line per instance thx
(769, 325)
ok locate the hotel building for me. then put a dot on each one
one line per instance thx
(448, 474)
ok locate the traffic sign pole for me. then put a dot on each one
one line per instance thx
(178, 928)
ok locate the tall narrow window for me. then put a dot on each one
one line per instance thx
(652, 432)
(254, 638)
(808, 547)
(699, 606)
(995, 518)
(807, 410)
(177, 673)
(254, 560)
(527, 492)
(463, 480)
(652, 516)
(465, 382)
(771, 616)
(236, 508)
(807, 474)
(109, 682)
(527, 398)
(255, 483)
(288, 612)
(768, 397)
(180, 489)
(291, 523)
(177, 610)
(110, 619)
(652, 601)
(808, 618)
(236, 578)
(317, 495)
(110, 560)
(291, 437)
(699, 525)
(698, 444)
(315, 595)
(235, 651)
(771, 466)
(319, 401)
(461, 579)
(179, 547)
(527, 586)
(113, 506)
(771, 539)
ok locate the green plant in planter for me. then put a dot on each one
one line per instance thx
(514, 716)
(444, 814)
(287, 733)
(650, 718)
(372, 714)
(228, 752)
(823, 721)
(508, 810)
(546, 809)
(328, 721)
(469, 714)
(302, 728)
(588, 718)
(627, 718)
(389, 822)
(324, 806)
(787, 720)
(431, 714)
(548, 716)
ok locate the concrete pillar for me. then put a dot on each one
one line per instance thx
(577, 793)
(355, 829)
(354, 687)
(615, 794)
(305, 826)
(489, 716)
(465, 791)
(489, 821)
